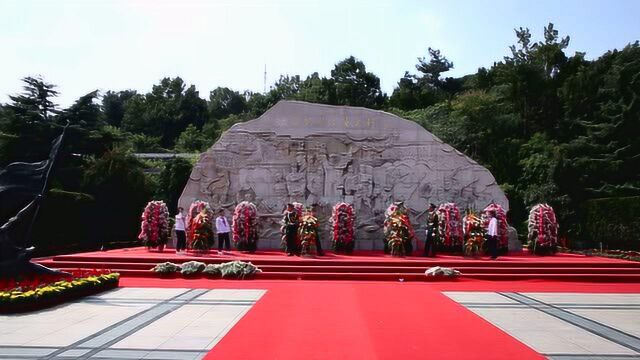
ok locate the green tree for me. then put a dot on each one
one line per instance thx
(427, 88)
(114, 105)
(602, 102)
(411, 95)
(35, 103)
(120, 188)
(534, 73)
(192, 140)
(432, 70)
(539, 160)
(141, 143)
(355, 86)
(85, 112)
(224, 102)
(286, 88)
(317, 90)
(172, 180)
(166, 111)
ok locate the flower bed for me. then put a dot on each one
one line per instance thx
(36, 294)
(398, 231)
(200, 232)
(343, 221)
(473, 234)
(543, 229)
(503, 226)
(154, 228)
(245, 226)
(450, 228)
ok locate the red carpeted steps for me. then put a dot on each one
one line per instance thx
(137, 262)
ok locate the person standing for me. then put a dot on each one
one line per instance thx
(492, 236)
(432, 227)
(291, 230)
(223, 230)
(181, 237)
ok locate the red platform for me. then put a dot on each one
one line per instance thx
(366, 265)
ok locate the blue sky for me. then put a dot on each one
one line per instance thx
(84, 45)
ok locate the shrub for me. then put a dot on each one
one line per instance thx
(614, 222)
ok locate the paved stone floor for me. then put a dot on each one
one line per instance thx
(563, 326)
(181, 324)
(128, 323)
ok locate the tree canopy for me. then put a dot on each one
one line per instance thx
(551, 126)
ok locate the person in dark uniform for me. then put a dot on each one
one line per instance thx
(432, 227)
(291, 230)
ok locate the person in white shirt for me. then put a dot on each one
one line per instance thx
(492, 236)
(181, 243)
(223, 230)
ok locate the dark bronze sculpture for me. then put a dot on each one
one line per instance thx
(15, 261)
(28, 180)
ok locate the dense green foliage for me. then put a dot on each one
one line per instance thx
(552, 127)
(75, 232)
(611, 221)
(171, 182)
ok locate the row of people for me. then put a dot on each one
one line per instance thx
(432, 231)
(291, 225)
(220, 223)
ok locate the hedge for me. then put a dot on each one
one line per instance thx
(614, 222)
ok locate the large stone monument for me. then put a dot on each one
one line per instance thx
(323, 154)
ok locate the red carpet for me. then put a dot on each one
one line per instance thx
(357, 321)
(369, 320)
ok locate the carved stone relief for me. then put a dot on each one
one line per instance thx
(321, 154)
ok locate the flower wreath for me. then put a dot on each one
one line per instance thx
(398, 231)
(450, 227)
(474, 234)
(343, 221)
(543, 228)
(154, 227)
(245, 226)
(308, 234)
(503, 226)
(199, 220)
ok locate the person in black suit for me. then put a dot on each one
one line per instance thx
(432, 227)
(291, 230)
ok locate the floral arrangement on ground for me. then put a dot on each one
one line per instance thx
(308, 234)
(398, 231)
(200, 232)
(38, 293)
(543, 229)
(232, 269)
(474, 234)
(343, 221)
(245, 226)
(450, 227)
(503, 226)
(154, 227)
(438, 271)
